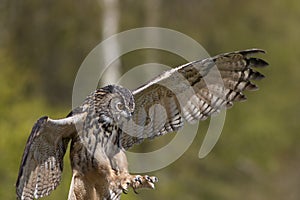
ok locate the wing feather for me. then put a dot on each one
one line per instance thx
(191, 92)
(42, 161)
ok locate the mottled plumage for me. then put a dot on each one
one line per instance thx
(112, 119)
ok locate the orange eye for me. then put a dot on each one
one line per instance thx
(120, 106)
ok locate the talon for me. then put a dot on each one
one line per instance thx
(135, 191)
(154, 179)
(151, 179)
(138, 178)
(147, 178)
(125, 191)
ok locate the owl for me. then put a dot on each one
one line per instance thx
(112, 119)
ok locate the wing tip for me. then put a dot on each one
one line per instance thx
(251, 51)
(35, 128)
(257, 62)
(245, 53)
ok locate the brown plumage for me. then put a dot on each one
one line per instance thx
(112, 119)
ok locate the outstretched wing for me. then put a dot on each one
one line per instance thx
(42, 161)
(190, 92)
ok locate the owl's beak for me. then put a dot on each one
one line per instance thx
(127, 115)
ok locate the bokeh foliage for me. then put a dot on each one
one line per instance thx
(42, 44)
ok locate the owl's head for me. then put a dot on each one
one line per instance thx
(121, 103)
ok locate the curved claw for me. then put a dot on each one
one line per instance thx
(148, 178)
(139, 179)
(152, 179)
(137, 182)
(135, 191)
(125, 191)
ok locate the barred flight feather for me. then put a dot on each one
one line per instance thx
(206, 86)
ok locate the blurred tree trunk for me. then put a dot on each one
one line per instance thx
(110, 25)
(152, 18)
(152, 10)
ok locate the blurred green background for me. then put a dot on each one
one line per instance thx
(43, 43)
